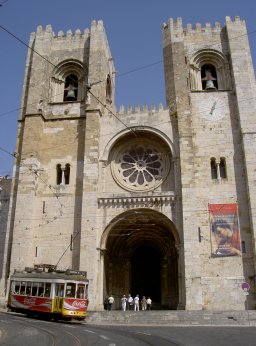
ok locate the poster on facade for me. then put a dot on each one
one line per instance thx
(225, 235)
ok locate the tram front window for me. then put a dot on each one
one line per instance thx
(80, 291)
(15, 287)
(70, 290)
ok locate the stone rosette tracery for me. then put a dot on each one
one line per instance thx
(140, 165)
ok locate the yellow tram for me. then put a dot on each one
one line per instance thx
(53, 294)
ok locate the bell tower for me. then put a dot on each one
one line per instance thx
(210, 89)
(69, 79)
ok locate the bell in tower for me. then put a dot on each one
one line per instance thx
(208, 80)
(70, 91)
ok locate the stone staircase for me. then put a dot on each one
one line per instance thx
(173, 318)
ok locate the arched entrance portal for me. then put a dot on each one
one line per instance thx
(141, 258)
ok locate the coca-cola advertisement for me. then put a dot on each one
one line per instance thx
(75, 304)
(225, 236)
(31, 303)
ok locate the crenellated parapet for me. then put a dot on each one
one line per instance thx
(140, 109)
(96, 26)
(68, 34)
(177, 29)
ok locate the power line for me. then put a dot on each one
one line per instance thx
(88, 87)
(25, 44)
(3, 2)
(104, 105)
(118, 75)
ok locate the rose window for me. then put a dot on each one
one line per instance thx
(141, 166)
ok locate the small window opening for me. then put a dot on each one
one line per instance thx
(209, 77)
(59, 174)
(71, 242)
(108, 90)
(214, 168)
(223, 170)
(243, 247)
(67, 173)
(71, 88)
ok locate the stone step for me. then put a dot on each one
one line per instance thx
(170, 317)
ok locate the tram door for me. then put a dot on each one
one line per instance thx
(146, 273)
(59, 293)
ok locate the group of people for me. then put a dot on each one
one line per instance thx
(129, 303)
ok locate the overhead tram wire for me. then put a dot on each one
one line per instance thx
(7, 152)
(71, 243)
(25, 44)
(104, 105)
(3, 2)
(118, 75)
(123, 74)
(33, 171)
(88, 89)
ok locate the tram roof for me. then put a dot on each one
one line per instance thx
(67, 275)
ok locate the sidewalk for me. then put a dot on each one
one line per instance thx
(171, 318)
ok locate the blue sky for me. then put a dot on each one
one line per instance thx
(134, 30)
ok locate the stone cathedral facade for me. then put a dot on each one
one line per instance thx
(148, 200)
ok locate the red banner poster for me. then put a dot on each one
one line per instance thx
(225, 236)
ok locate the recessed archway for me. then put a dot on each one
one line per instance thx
(141, 257)
(146, 273)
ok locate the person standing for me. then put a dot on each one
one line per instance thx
(149, 303)
(130, 302)
(136, 303)
(106, 303)
(124, 300)
(144, 303)
(110, 302)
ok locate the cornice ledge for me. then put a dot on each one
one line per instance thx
(116, 199)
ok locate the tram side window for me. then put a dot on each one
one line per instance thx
(40, 289)
(47, 290)
(71, 290)
(34, 289)
(80, 291)
(23, 288)
(28, 288)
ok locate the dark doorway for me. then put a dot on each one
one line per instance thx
(146, 273)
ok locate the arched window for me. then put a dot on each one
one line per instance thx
(223, 169)
(209, 71)
(68, 81)
(63, 174)
(67, 173)
(71, 88)
(218, 169)
(214, 168)
(58, 174)
(108, 90)
(209, 77)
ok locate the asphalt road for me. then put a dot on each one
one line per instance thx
(18, 330)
